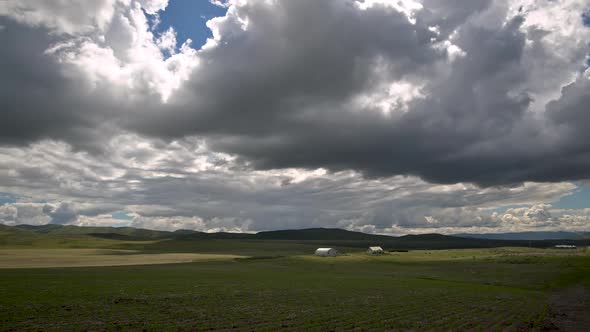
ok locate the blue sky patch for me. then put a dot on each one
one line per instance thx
(121, 215)
(6, 198)
(578, 200)
(586, 19)
(503, 209)
(188, 18)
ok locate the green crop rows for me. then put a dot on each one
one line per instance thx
(482, 292)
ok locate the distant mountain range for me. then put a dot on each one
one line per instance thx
(529, 236)
(130, 233)
(323, 236)
(120, 232)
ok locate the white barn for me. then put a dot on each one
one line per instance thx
(375, 250)
(326, 252)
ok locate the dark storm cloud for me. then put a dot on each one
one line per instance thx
(61, 214)
(449, 14)
(290, 106)
(260, 82)
(36, 99)
(42, 98)
(469, 106)
(29, 80)
(281, 84)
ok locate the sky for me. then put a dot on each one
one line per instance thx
(188, 18)
(382, 116)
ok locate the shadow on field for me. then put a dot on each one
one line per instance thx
(569, 310)
(119, 252)
(257, 258)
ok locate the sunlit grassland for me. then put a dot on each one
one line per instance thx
(26, 240)
(284, 287)
(46, 258)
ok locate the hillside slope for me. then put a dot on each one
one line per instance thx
(120, 233)
(528, 236)
(25, 234)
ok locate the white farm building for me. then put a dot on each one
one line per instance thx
(326, 252)
(375, 250)
(565, 246)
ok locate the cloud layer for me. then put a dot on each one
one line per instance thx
(376, 115)
(184, 185)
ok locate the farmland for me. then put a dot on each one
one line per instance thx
(44, 258)
(279, 285)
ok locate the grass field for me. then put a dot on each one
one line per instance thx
(44, 258)
(283, 287)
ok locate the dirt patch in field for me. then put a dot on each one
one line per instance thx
(47, 258)
(569, 310)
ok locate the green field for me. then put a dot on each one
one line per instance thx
(279, 286)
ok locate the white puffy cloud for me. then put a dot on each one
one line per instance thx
(234, 225)
(129, 56)
(71, 17)
(153, 6)
(543, 217)
(23, 213)
(557, 46)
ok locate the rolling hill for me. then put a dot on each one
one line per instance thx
(119, 233)
(313, 236)
(320, 234)
(529, 236)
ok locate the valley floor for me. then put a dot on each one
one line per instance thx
(47, 258)
(473, 289)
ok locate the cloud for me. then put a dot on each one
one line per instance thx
(23, 213)
(74, 81)
(379, 115)
(62, 214)
(213, 225)
(184, 184)
(153, 6)
(383, 88)
(61, 16)
(543, 217)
